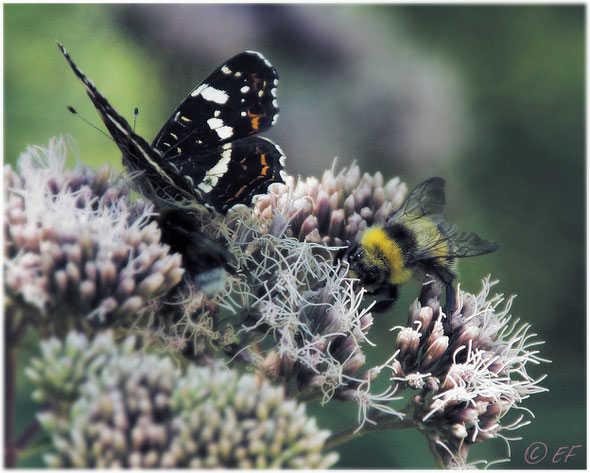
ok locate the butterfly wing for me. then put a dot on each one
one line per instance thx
(236, 100)
(158, 179)
(234, 172)
(204, 154)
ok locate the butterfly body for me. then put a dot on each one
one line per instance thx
(205, 154)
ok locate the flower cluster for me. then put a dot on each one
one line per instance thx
(76, 245)
(121, 409)
(336, 208)
(263, 287)
(467, 369)
(308, 311)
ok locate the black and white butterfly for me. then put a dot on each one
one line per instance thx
(205, 154)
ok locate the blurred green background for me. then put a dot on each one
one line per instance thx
(489, 97)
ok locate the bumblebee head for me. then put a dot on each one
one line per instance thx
(370, 271)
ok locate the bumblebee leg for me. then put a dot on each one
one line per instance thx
(383, 305)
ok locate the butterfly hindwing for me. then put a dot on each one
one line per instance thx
(235, 172)
(237, 100)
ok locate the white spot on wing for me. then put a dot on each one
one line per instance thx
(199, 89)
(225, 69)
(220, 168)
(245, 89)
(215, 123)
(214, 95)
(216, 113)
(222, 130)
(205, 187)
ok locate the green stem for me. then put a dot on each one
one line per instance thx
(382, 423)
(438, 459)
(10, 455)
(12, 337)
(27, 435)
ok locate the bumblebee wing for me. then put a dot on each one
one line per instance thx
(448, 242)
(427, 198)
(464, 244)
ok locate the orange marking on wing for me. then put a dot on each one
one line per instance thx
(240, 191)
(254, 120)
(263, 160)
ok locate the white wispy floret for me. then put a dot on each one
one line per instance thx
(478, 375)
(76, 242)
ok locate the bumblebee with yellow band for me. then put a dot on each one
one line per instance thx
(414, 241)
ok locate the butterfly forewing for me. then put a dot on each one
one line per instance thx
(237, 100)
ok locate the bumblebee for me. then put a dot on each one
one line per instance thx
(414, 241)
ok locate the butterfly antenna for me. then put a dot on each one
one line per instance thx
(135, 113)
(74, 112)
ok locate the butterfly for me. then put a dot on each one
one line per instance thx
(206, 153)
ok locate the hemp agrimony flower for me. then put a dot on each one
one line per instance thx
(334, 209)
(76, 246)
(122, 409)
(80, 253)
(467, 370)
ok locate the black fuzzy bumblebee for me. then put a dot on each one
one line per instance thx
(414, 241)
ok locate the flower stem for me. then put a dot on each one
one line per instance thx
(384, 423)
(12, 337)
(9, 387)
(27, 435)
